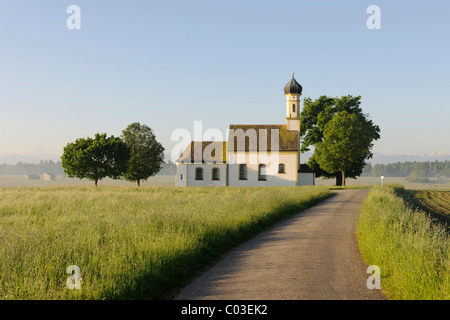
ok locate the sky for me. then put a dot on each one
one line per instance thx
(169, 63)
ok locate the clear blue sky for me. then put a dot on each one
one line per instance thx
(169, 63)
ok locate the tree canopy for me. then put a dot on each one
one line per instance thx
(96, 158)
(345, 144)
(147, 154)
(315, 117)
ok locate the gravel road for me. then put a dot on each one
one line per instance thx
(312, 255)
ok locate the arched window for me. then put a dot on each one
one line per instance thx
(281, 168)
(293, 107)
(242, 171)
(262, 172)
(198, 173)
(215, 174)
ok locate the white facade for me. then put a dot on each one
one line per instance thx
(187, 175)
(181, 176)
(230, 174)
(273, 177)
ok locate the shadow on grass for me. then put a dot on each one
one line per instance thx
(163, 283)
(411, 198)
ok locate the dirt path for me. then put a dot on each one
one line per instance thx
(312, 255)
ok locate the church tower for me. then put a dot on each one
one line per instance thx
(293, 91)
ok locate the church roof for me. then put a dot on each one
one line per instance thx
(204, 152)
(242, 137)
(256, 137)
(293, 86)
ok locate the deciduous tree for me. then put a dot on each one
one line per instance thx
(147, 154)
(96, 158)
(345, 144)
(315, 116)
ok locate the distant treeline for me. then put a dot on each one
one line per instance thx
(405, 169)
(22, 168)
(399, 169)
(49, 166)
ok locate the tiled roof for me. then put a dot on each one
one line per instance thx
(242, 137)
(260, 134)
(204, 152)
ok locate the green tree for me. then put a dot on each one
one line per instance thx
(345, 144)
(446, 169)
(315, 116)
(367, 169)
(147, 154)
(419, 173)
(96, 158)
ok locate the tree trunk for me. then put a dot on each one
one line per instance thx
(343, 178)
(139, 183)
(96, 180)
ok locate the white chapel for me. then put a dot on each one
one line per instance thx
(253, 155)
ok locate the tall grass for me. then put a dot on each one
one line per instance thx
(129, 242)
(411, 250)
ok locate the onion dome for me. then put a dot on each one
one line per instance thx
(293, 87)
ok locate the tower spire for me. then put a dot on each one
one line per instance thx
(293, 92)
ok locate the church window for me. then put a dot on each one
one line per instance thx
(215, 174)
(281, 168)
(262, 172)
(198, 173)
(242, 171)
(293, 107)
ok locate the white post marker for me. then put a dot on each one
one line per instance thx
(382, 178)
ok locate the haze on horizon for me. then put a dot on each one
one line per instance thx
(168, 64)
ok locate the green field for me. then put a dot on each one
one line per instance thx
(168, 180)
(434, 184)
(21, 181)
(129, 242)
(434, 202)
(411, 249)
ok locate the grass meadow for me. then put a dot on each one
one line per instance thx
(433, 184)
(411, 249)
(434, 202)
(129, 242)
